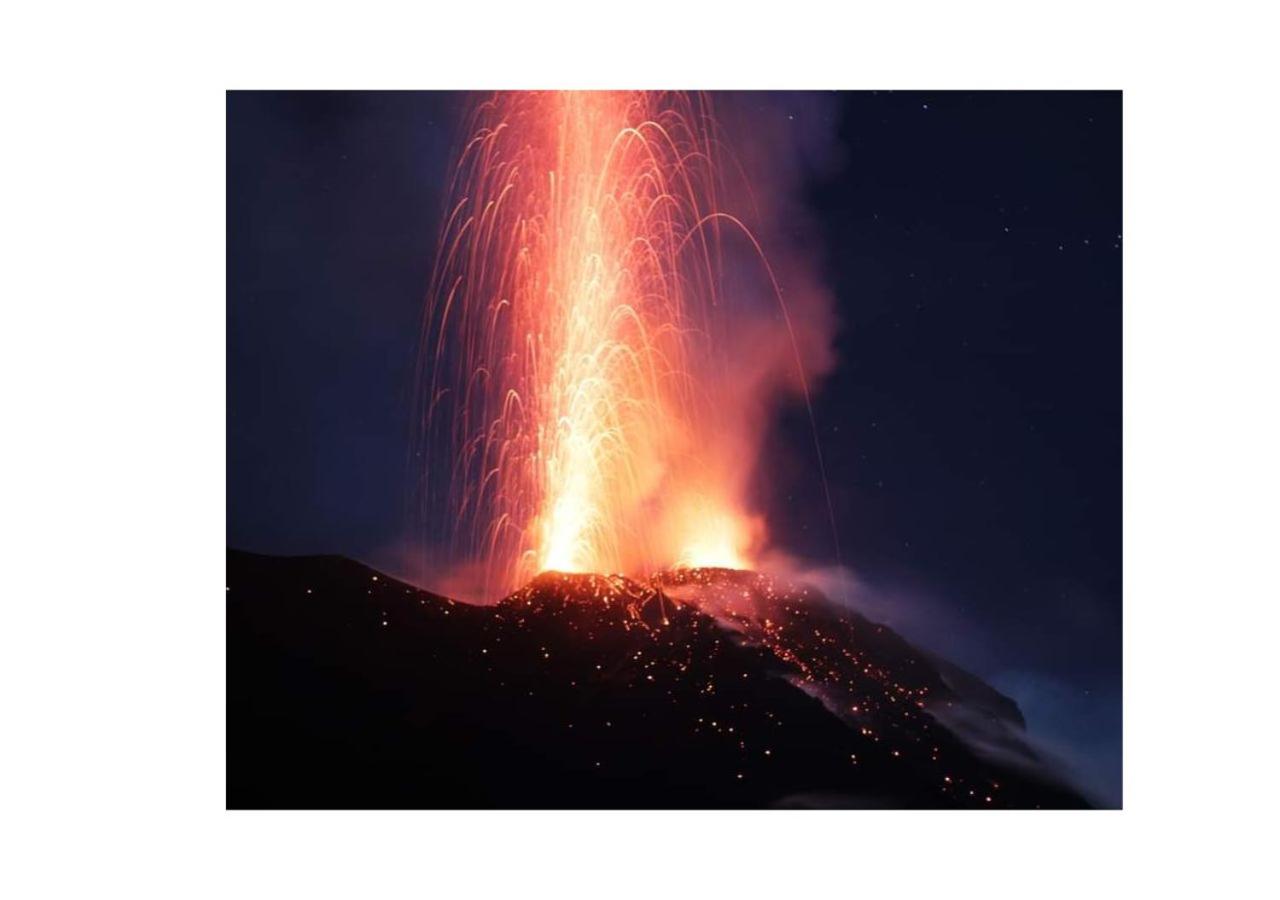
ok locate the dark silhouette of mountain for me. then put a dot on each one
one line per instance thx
(699, 688)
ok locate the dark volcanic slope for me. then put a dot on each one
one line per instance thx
(708, 688)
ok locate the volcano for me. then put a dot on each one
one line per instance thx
(695, 688)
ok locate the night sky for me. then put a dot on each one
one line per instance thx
(972, 426)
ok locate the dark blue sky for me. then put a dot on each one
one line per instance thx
(972, 427)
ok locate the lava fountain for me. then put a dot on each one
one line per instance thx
(573, 374)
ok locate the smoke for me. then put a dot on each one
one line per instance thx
(1079, 726)
(1072, 732)
(774, 332)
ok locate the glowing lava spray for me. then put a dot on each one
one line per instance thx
(572, 368)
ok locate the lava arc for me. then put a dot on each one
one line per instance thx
(572, 363)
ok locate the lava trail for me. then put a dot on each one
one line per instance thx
(578, 378)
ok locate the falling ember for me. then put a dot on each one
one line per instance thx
(573, 357)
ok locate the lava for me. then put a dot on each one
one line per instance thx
(894, 699)
(575, 380)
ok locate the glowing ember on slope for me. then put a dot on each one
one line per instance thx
(574, 366)
(885, 691)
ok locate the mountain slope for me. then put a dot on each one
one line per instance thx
(702, 688)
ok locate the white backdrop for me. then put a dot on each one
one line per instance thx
(113, 355)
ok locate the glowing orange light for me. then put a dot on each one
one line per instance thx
(571, 350)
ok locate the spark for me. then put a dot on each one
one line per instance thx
(573, 372)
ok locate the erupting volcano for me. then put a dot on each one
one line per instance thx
(582, 364)
(604, 342)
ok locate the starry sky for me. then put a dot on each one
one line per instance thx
(971, 427)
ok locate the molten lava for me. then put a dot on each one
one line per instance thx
(572, 366)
